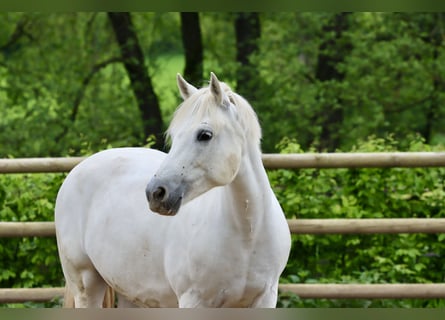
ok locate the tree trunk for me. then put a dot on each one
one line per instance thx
(192, 42)
(435, 39)
(332, 52)
(433, 108)
(141, 83)
(247, 32)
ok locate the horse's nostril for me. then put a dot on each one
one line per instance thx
(159, 194)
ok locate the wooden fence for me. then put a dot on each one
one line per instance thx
(297, 226)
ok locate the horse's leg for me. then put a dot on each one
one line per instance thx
(123, 302)
(268, 299)
(110, 298)
(190, 299)
(89, 290)
(84, 282)
(68, 298)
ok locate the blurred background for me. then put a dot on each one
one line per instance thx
(75, 83)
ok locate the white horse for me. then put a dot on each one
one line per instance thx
(220, 238)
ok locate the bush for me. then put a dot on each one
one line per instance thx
(363, 193)
(305, 193)
(32, 261)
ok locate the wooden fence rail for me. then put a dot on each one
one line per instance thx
(38, 165)
(367, 226)
(305, 291)
(297, 226)
(354, 160)
(16, 295)
(271, 161)
(27, 229)
(367, 291)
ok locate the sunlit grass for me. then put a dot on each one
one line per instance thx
(164, 82)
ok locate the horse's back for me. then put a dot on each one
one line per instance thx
(95, 183)
(116, 162)
(101, 210)
(103, 170)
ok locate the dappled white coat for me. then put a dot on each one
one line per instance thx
(226, 240)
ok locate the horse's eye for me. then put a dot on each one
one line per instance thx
(204, 135)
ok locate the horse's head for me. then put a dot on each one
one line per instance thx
(207, 142)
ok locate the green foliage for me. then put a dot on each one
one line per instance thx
(46, 107)
(392, 86)
(32, 261)
(305, 193)
(392, 77)
(363, 193)
(218, 38)
(392, 70)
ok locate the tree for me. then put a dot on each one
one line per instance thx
(193, 50)
(329, 79)
(247, 32)
(393, 81)
(434, 35)
(332, 52)
(81, 92)
(20, 30)
(140, 80)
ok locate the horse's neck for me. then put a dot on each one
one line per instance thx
(251, 193)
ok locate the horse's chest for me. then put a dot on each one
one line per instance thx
(226, 271)
(220, 265)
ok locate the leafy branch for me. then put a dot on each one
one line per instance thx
(19, 32)
(80, 94)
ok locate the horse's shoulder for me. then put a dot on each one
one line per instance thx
(117, 163)
(121, 156)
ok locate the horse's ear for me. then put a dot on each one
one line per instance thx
(216, 90)
(185, 88)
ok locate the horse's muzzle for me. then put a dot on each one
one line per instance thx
(162, 199)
